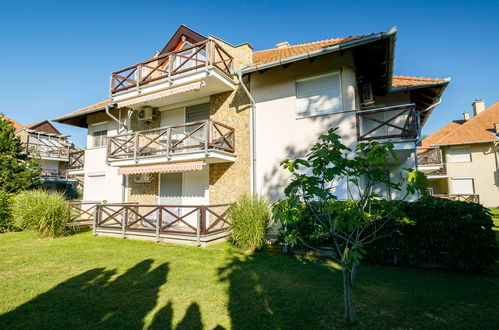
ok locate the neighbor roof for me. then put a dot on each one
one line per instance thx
(478, 129)
(17, 126)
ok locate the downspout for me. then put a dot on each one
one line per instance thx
(124, 177)
(252, 133)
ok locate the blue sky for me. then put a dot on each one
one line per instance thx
(56, 56)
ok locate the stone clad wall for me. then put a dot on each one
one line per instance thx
(230, 180)
(143, 193)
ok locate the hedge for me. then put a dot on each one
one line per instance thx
(442, 233)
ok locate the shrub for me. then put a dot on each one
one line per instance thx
(250, 219)
(5, 211)
(452, 234)
(45, 212)
(439, 233)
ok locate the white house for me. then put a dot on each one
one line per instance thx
(203, 121)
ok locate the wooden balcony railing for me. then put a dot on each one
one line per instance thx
(76, 160)
(398, 122)
(55, 175)
(199, 56)
(165, 141)
(46, 150)
(429, 156)
(471, 198)
(156, 220)
(82, 213)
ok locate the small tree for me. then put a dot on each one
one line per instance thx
(18, 171)
(349, 229)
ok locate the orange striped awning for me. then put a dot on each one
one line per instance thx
(156, 96)
(162, 168)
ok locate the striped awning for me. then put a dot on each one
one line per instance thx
(156, 96)
(162, 168)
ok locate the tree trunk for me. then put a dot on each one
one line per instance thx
(348, 279)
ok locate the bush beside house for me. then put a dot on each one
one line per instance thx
(5, 211)
(438, 233)
(249, 218)
(47, 213)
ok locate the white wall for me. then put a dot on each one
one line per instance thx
(280, 134)
(95, 164)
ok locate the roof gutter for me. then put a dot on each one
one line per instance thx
(343, 46)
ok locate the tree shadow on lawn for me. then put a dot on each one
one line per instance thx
(271, 291)
(92, 300)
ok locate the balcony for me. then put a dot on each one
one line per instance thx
(470, 198)
(209, 140)
(47, 147)
(76, 160)
(196, 71)
(55, 175)
(397, 123)
(430, 160)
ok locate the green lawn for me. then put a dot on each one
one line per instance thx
(90, 282)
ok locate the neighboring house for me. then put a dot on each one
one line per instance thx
(461, 159)
(53, 148)
(203, 122)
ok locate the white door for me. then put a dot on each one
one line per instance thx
(95, 188)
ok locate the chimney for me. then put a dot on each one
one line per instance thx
(478, 106)
(283, 44)
(466, 115)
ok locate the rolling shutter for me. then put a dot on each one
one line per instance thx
(319, 95)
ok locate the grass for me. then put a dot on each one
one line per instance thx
(90, 282)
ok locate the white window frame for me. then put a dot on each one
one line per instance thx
(319, 76)
(449, 155)
(93, 137)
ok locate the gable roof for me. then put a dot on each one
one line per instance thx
(190, 35)
(43, 126)
(478, 129)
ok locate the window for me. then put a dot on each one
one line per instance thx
(463, 186)
(99, 135)
(319, 95)
(459, 155)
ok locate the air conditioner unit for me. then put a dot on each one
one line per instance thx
(146, 114)
(142, 178)
(366, 94)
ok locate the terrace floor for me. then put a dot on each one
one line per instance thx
(82, 281)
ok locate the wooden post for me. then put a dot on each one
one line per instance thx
(94, 222)
(158, 223)
(124, 215)
(135, 146)
(199, 224)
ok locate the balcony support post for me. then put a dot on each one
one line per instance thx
(170, 66)
(135, 146)
(138, 77)
(206, 137)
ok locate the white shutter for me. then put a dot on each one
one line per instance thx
(459, 155)
(95, 188)
(319, 95)
(462, 186)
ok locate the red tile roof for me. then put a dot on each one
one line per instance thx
(405, 81)
(16, 125)
(478, 129)
(274, 54)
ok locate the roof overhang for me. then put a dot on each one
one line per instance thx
(77, 119)
(336, 48)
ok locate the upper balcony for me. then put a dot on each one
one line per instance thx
(76, 160)
(195, 71)
(206, 140)
(398, 124)
(430, 159)
(48, 146)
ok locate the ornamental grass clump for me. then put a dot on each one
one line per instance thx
(41, 211)
(250, 218)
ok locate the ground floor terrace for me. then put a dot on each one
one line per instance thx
(81, 281)
(198, 225)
